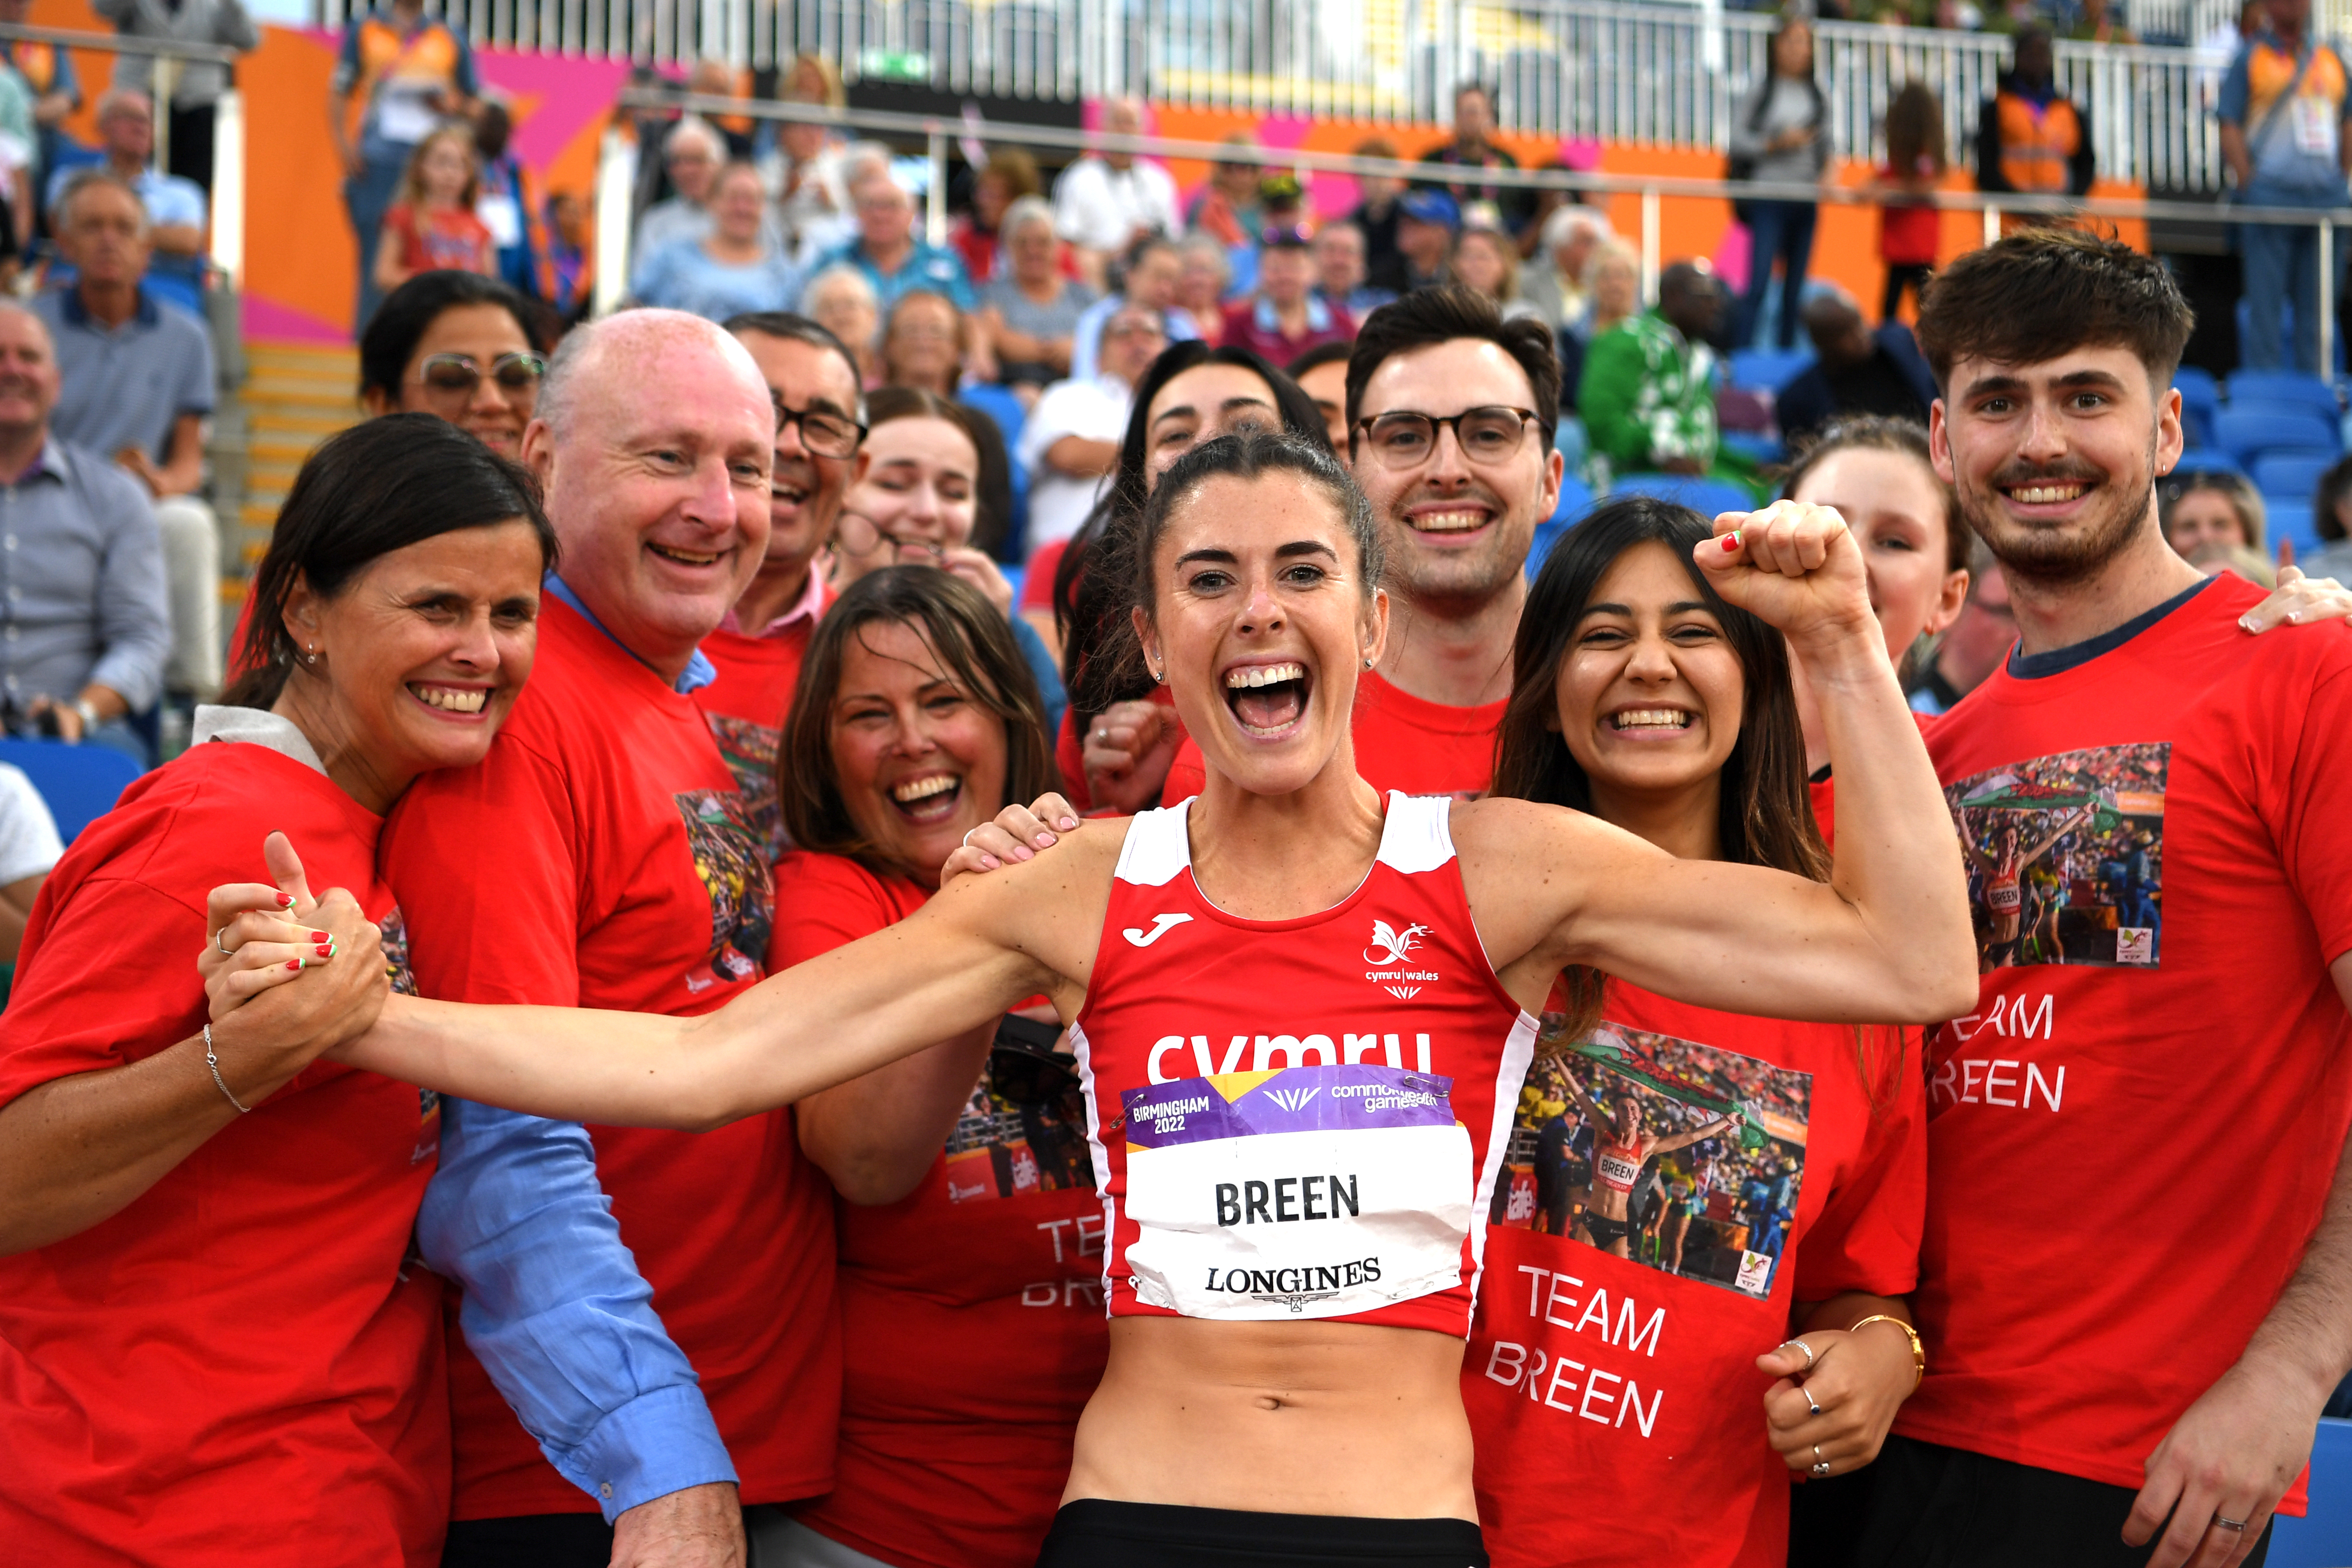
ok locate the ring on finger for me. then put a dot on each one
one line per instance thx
(1810, 1402)
(1821, 1466)
(226, 951)
(967, 837)
(1812, 1360)
(2236, 1526)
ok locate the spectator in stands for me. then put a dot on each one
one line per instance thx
(175, 206)
(1554, 280)
(433, 227)
(1339, 278)
(1909, 230)
(1154, 272)
(2030, 137)
(1205, 277)
(510, 204)
(1321, 374)
(843, 303)
(2331, 519)
(20, 137)
(891, 255)
(1426, 223)
(1612, 285)
(84, 625)
(1227, 206)
(1284, 318)
(1104, 202)
(1070, 443)
(736, 267)
(2283, 107)
(694, 153)
(1973, 647)
(1010, 175)
(1647, 396)
(458, 345)
(571, 260)
(1031, 312)
(2216, 556)
(924, 341)
(409, 72)
(2212, 507)
(29, 850)
(2095, 24)
(1375, 216)
(198, 84)
(1781, 137)
(1472, 147)
(48, 72)
(1486, 259)
(808, 167)
(1855, 371)
(137, 387)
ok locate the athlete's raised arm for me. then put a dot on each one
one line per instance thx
(975, 950)
(1888, 939)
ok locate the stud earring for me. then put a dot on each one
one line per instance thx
(313, 657)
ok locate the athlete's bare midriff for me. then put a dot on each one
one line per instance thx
(1338, 1419)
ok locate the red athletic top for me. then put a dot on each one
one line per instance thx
(1402, 743)
(2174, 1047)
(1298, 1119)
(238, 1368)
(1586, 1365)
(601, 857)
(993, 1259)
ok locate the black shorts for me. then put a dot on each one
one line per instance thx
(1606, 1232)
(1923, 1505)
(1095, 1533)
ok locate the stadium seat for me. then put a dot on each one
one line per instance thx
(2287, 332)
(2289, 520)
(78, 783)
(2201, 459)
(1768, 370)
(1575, 501)
(2247, 430)
(2291, 476)
(2200, 401)
(1758, 448)
(2323, 1538)
(2285, 386)
(1702, 495)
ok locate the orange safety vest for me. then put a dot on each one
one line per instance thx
(2037, 143)
(428, 54)
(36, 63)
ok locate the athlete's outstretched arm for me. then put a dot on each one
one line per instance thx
(965, 957)
(1886, 940)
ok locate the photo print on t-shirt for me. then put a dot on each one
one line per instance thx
(1675, 1155)
(731, 857)
(1024, 1130)
(750, 749)
(2066, 857)
(394, 933)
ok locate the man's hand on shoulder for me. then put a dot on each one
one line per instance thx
(701, 1527)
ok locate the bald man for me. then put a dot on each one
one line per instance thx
(1107, 201)
(601, 856)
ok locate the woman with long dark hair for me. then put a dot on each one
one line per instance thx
(1781, 136)
(966, 1190)
(1790, 1157)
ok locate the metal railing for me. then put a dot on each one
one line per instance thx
(617, 167)
(1659, 74)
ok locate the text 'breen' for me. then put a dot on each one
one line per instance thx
(1288, 1198)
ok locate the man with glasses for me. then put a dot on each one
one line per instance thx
(757, 649)
(138, 385)
(1450, 412)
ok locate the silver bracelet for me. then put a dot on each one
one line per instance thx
(212, 1060)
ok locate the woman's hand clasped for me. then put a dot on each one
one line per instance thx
(297, 975)
(1833, 1419)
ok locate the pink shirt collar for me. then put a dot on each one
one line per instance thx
(809, 607)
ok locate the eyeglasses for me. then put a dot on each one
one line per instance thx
(517, 374)
(822, 432)
(1288, 234)
(1133, 329)
(1487, 435)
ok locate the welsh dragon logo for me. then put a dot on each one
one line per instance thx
(1391, 946)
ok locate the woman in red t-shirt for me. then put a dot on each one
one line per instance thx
(432, 227)
(969, 1218)
(1614, 1376)
(213, 1350)
(1908, 228)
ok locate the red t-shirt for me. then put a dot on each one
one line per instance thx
(440, 238)
(2134, 1134)
(1037, 576)
(1823, 789)
(237, 1368)
(1274, 346)
(601, 857)
(995, 1259)
(1908, 231)
(1069, 756)
(1585, 1367)
(747, 707)
(1403, 741)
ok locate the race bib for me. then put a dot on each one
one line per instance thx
(2313, 119)
(2004, 898)
(1302, 1192)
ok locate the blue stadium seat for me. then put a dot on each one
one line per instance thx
(1705, 497)
(2286, 333)
(1755, 445)
(2285, 386)
(78, 783)
(2200, 401)
(2322, 1538)
(2247, 430)
(1575, 501)
(2289, 520)
(2291, 476)
(1768, 370)
(2207, 460)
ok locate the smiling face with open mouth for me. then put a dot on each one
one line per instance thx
(804, 490)
(919, 759)
(1261, 624)
(1650, 694)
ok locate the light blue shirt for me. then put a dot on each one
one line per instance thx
(1086, 349)
(682, 276)
(170, 199)
(700, 671)
(926, 266)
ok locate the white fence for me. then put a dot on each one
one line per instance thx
(1663, 74)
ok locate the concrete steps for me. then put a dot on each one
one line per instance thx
(294, 396)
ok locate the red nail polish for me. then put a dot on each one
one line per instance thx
(326, 951)
(322, 936)
(1731, 542)
(285, 901)
(293, 964)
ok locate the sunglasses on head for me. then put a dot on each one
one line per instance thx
(514, 372)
